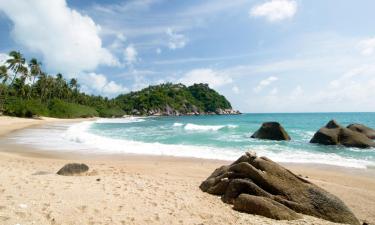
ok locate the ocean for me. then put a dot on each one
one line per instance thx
(224, 137)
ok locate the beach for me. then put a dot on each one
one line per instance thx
(141, 189)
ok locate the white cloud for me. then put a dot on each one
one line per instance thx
(352, 91)
(274, 91)
(264, 83)
(354, 88)
(130, 54)
(367, 46)
(98, 83)
(118, 43)
(236, 89)
(68, 40)
(213, 78)
(275, 10)
(176, 40)
(296, 93)
(3, 58)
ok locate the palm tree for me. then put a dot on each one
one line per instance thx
(73, 84)
(35, 71)
(24, 72)
(16, 63)
(41, 85)
(60, 84)
(50, 87)
(4, 75)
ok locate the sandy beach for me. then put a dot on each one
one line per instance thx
(130, 189)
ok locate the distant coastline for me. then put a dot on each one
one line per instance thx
(26, 90)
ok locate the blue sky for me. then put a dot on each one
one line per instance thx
(264, 55)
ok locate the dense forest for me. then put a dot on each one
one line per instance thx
(175, 99)
(27, 91)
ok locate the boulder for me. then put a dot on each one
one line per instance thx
(73, 169)
(264, 207)
(260, 186)
(271, 131)
(335, 134)
(367, 131)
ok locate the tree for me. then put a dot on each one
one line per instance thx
(4, 75)
(24, 72)
(73, 83)
(35, 71)
(42, 85)
(16, 64)
(60, 83)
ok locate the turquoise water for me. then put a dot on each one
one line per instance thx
(229, 136)
(209, 137)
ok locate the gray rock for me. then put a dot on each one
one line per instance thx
(271, 131)
(72, 169)
(367, 131)
(264, 207)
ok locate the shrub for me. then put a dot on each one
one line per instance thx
(61, 109)
(24, 108)
(111, 112)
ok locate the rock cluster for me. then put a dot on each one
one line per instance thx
(354, 135)
(169, 111)
(260, 186)
(334, 134)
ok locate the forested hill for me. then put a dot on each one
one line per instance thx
(26, 91)
(175, 99)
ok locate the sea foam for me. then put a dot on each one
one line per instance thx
(195, 127)
(79, 137)
(122, 120)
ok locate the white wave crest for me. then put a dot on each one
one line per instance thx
(121, 120)
(178, 124)
(99, 144)
(195, 127)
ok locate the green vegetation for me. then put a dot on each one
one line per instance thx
(27, 91)
(173, 99)
(61, 109)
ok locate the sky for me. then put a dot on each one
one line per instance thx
(263, 55)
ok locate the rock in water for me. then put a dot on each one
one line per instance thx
(260, 186)
(335, 134)
(72, 169)
(271, 131)
(369, 132)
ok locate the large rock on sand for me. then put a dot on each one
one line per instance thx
(72, 169)
(335, 134)
(271, 131)
(260, 186)
(367, 131)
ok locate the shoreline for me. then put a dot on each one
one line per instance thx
(155, 187)
(9, 124)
